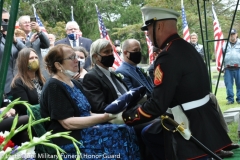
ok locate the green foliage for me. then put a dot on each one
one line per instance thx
(43, 140)
(123, 19)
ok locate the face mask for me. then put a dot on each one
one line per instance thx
(107, 61)
(72, 36)
(81, 62)
(135, 57)
(69, 73)
(33, 65)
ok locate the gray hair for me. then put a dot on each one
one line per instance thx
(96, 47)
(20, 19)
(52, 35)
(72, 23)
(194, 34)
(127, 42)
(81, 49)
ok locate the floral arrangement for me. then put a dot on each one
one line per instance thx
(9, 151)
(119, 75)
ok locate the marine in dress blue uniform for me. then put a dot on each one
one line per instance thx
(180, 79)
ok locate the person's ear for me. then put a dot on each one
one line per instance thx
(57, 65)
(125, 53)
(95, 57)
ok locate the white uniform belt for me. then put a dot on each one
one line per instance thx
(192, 104)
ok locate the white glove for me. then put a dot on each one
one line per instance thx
(118, 119)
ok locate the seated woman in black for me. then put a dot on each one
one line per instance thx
(63, 100)
(28, 82)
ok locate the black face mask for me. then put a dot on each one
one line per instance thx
(135, 57)
(107, 61)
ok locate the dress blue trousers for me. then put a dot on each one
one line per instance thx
(230, 75)
(155, 144)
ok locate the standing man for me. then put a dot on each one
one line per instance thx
(181, 83)
(16, 47)
(133, 75)
(74, 39)
(194, 43)
(37, 40)
(232, 67)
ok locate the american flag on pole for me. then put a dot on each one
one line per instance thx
(150, 51)
(38, 20)
(104, 34)
(186, 35)
(217, 36)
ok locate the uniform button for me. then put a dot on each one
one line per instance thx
(124, 119)
(129, 117)
(136, 115)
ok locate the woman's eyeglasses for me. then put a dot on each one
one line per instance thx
(73, 57)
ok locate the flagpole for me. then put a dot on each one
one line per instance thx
(229, 33)
(72, 17)
(34, 10)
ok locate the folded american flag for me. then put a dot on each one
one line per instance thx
(129, 99)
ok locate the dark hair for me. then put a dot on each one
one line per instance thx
(22, 65)
(56, 54)
(81, 49)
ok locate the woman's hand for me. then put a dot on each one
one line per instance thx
(118, 119)
(109, 116)
(10, 113)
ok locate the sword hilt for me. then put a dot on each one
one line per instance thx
(179, 127)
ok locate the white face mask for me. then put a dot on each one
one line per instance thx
(81, 62)
(69, 73)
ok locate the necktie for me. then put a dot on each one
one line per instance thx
(74, 43)
(28, 37)
(144, 79)
(115, 81)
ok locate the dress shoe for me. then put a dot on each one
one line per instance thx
(224, 154)
(231, 147)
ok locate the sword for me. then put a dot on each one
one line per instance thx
(187, 135)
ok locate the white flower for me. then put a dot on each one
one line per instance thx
(26, 153)
(5, 134)
(120, 75)
(36, 139)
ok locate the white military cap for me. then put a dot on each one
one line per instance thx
(151, 14)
